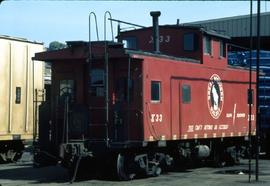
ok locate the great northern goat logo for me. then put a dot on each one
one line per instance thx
(215, 96)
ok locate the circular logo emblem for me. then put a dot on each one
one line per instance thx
(215, 96)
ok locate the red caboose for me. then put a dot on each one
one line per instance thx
(136, 108)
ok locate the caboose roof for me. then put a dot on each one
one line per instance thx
(79, 50)
(185, 26)
(139, 54)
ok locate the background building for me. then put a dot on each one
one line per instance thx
(238, 28)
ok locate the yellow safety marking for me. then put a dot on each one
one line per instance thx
(163, 137)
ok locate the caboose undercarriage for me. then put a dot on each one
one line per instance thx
(128, 160)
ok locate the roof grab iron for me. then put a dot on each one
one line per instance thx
(95, 17)
(110, 19)
(89, 43)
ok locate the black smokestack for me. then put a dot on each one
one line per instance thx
(155, 16)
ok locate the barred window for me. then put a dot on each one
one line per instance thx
(18, 95)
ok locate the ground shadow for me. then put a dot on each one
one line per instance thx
(36, 175)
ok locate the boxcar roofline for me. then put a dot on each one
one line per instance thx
(6, 37)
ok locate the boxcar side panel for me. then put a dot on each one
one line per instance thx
(18, 60)
(4, 90)
(16, 93)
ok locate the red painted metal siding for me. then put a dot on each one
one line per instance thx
(171, 41)
(214, 59)
(170, 119)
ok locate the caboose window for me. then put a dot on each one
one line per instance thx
(186, 94)
(66, 86)
(190, 42)
(222, 49)
(155, 91)
(207, 47)
(67, 89)
(97, 82)
(130, 42)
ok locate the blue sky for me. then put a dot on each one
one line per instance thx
(48, 21)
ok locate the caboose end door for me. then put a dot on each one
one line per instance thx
(70, 114)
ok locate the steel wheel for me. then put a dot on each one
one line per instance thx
(3, 158)
(124, 167)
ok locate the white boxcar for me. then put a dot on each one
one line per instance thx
(19, 78)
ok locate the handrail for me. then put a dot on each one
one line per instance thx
(106, 61)
(110, 19)
(95, 17)
(90, 46)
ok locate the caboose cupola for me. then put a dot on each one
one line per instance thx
(184, 41)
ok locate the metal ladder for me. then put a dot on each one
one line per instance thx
(39, 97)
(106, 62)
